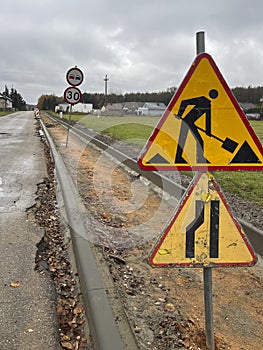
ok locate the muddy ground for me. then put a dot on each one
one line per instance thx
(165, 306)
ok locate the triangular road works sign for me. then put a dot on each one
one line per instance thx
(203, 231)
(203, 127)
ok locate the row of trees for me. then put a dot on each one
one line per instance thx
(17, 100)
(48, 102)
(98, 100)
(249, 94)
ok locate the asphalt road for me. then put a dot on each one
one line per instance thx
(27, 310)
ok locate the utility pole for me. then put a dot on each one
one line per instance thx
(106, 79)
(261, 109)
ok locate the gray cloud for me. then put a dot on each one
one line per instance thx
(143, 45)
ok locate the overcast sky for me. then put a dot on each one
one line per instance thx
(143, 45)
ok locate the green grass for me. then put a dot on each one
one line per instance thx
(258, 128)
(245, 184)
(135, 130)
(135, 133)
(2, 114)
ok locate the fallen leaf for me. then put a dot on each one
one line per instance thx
(137, 329)
(67, 345)
(15, 284)
(65, 338)
(169, 307)
(78, 310)
(59, 309)
(105, 215)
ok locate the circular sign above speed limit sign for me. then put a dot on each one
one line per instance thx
(72, 95)
(74, 76)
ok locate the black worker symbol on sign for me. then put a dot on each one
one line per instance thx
(201, 106)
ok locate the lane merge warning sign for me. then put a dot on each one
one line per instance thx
(203, 232)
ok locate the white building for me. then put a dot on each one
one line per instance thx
(82, 107)
(5, 102)
(151, 108)
(78, 107)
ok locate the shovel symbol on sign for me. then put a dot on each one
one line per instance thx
(227, 144)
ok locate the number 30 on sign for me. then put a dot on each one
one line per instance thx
(72, 95)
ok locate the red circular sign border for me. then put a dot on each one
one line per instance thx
(72, 87)
(81, 73)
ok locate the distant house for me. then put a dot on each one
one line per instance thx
(255, 116)
(139, 108)
(131, 107)
(246, 106)
(5, 102)
(151, 108)
(122, 108)
(112, 109)
(82, 107)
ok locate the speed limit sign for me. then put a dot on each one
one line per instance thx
(72, 95)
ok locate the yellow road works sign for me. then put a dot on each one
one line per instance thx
(203, 127)
(203, 231)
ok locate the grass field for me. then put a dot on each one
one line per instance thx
(248, 185)
(2, 114)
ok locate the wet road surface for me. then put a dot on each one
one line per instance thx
(27, 308)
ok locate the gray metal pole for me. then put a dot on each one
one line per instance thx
(208, 300)
(106, 79)
(200, 42)
(207, 271)
(69, 118)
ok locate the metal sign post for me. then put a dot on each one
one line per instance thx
(207, 271)
(69, 118)
(200, 42)
(208, 298)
